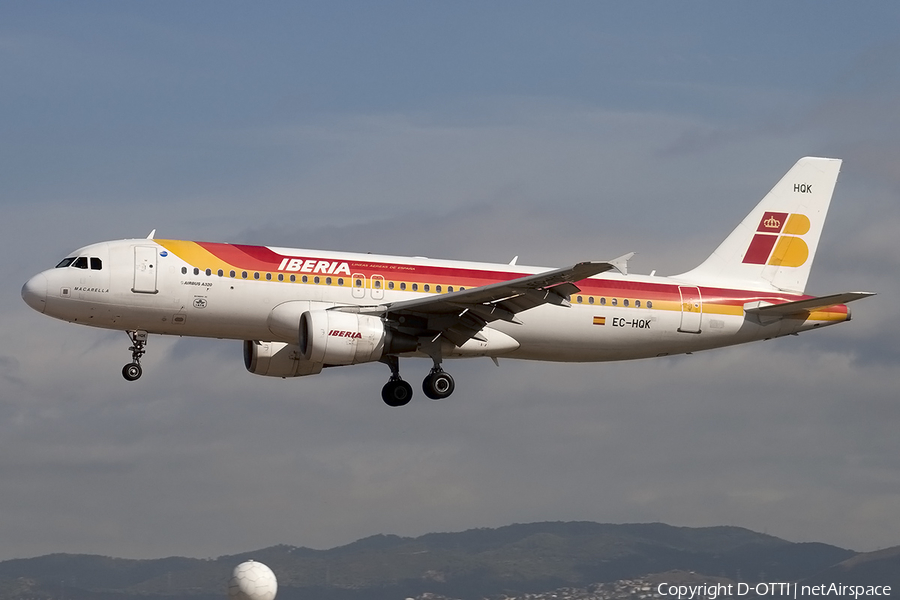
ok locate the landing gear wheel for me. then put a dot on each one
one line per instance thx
(132, 371)
(438, 385)
(396, 392)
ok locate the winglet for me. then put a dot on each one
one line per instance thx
(152, 233)
(621, 264)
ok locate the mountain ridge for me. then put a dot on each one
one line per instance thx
(471, 564)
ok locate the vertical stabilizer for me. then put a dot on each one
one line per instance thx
(774, 246)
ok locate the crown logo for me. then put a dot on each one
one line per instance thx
(772, 223)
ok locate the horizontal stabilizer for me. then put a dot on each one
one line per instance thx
(801, 306)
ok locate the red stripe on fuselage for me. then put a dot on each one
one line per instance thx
(261, 258)
(252, 258)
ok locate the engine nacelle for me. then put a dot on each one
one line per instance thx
(339, 338)
(277, 359)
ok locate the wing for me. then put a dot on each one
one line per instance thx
(460, 316)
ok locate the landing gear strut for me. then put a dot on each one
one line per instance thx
(395, 392)
(132, 370)
(438, 384)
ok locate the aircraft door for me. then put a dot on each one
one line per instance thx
(144, 270)
(691, 309)
(377, 287)
(359, 285)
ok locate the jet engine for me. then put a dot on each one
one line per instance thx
(277, 359)
(340, 338)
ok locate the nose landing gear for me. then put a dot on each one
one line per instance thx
(132, 371)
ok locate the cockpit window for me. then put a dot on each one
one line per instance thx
(65, 262)
(81, 262)
(96, 264)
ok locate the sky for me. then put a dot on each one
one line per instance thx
(556, 132)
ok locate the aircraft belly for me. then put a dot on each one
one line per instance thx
(589, 334)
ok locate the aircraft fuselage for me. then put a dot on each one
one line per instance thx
(145, 285)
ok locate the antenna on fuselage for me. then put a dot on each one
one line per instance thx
(152, 233)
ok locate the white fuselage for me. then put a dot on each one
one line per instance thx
(186, 289)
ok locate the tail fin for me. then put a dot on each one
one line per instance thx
(774, 246)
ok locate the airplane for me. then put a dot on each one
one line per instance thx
(299, 311)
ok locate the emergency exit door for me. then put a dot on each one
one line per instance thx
(691, 309)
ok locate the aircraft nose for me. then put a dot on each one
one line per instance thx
(34, 292)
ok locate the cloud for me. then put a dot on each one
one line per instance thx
(199, 457)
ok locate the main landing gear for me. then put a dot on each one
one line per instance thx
(132, 370)
(396, 392)
(438, 384)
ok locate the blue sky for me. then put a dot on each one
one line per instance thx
(558, 132)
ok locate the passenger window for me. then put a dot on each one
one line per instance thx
(316, 279)
(220, 273)
(341, 281)
(81, 262)
(209, 271)
(427, 288)
(281, 277)
(65, 262)
(449, 288)
(305, 279)
(625, 302)
(184, 270)
(358, 283)
(243, 274)
(293, 278)
(615, 301)
(602, 301)
(415, 287)
(580, 299)
(96, 264)
(390, 285)
(649, 304)
(637, 303)
(402, 286)
(328, 281)
(377, 284)
(268, 277)
(256, 275)
(590, 300)
(196, 271)
(231, 274)
(437, 288)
